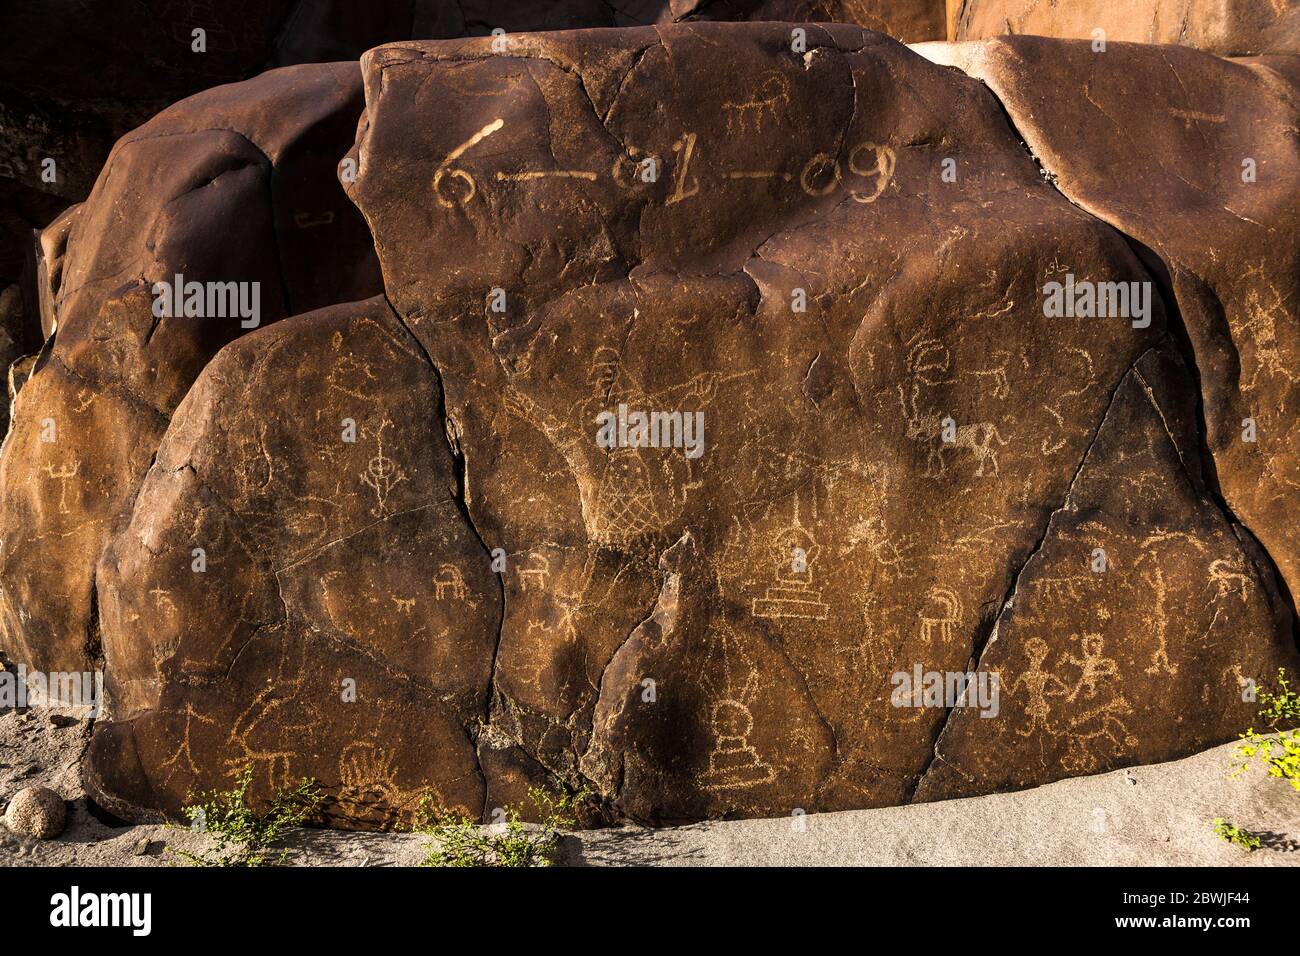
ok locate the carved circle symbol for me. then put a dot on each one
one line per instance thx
(732, 719)
(444, 178)
(814, 168)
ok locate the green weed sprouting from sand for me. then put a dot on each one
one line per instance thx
(458, 840)
(242, 836)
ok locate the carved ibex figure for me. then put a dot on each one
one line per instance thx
(928, 359)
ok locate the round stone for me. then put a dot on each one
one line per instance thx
(36, 811)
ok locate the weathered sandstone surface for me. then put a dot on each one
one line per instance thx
(236, 185)
(1226, 27)
(1194, 158)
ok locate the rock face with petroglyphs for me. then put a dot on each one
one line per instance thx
(421, 545)
(77, 75)
(1217, 218)
(611, 421)
(335, 564)
(236, 187)
(1225, 27)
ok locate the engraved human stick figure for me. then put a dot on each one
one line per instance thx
(1093, 666)
(1038, 683)
(1107, 726)
(1160, 659)
(1261, 322)
(61, 476)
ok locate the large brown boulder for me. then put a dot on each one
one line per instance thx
(302, 508)
(408, 546)
(236, 186)
(1226, 27)
(77, 75)
(714, 634)
(1195, 158)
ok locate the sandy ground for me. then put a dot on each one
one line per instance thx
(1145, 816)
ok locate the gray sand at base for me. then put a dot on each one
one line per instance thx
(1144, 816)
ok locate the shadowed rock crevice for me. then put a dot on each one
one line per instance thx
(445, 431)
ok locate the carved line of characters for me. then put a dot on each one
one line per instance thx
(819, 176)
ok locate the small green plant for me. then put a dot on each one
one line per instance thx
(458, 840)
(243, 837)
(1236, 835)
(1280, 749)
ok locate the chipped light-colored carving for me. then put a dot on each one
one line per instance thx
(1093, 665)
(446, 174)
(734, 762)
(928, 359)
(382, 475)
(882, 168)
(1064, 400)
(940, 615)
(1039, 684)
(773, 92)
(449, 582)
(1155, 577)
(1261, 322)
(529, 175)
(368, 783)
(893, 553)
(182, 760)
(1097, 734)
(162, 596)
(274, 758)
(63, 475)
(625, 504)
(534, 575)
(1229, 579)
(793, 595)
(1000, 388)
